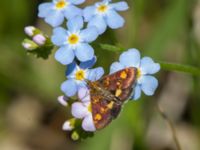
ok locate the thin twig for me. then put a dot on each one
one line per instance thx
(171, 125)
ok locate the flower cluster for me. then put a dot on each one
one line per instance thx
(74, 29)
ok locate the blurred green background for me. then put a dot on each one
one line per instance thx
(31, 118)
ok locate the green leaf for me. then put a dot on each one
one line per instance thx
(112, 48)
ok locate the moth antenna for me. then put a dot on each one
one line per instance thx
(118, 102)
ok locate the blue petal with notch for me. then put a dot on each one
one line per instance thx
(64, 55)
(114, 20)
(84, 52)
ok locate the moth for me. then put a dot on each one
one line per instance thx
(109, 93)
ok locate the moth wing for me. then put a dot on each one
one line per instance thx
(103, 111)
(120, 83)
(104, 106)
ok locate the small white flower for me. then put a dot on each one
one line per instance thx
(83, 110)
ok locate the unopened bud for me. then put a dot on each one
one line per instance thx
(29, 45)
(29, 30)
(39, 39)
(75, 136)
(69, 124)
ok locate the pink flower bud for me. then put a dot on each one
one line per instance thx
(39, 39)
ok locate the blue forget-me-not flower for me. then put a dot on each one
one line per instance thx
(74, 41)
(78, 74)
(56, 11)
(103, 14)
(145, 68)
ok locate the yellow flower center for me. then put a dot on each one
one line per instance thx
(90, 108)
(102, 8)
(139, 73)
(73, 39)
(80, 75)
(61, 4)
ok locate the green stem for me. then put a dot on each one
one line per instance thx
(164, 65)
(180, 68)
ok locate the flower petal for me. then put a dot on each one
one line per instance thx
(59, 36)
(75, 24)
(89, 34)
(79, 110)
(73, 71)
(116, 66)
(71, 11)
(69, 87)
(88, 124)
(89, 12)
(88, 64)
(84, 52)
(84, 94)
(148, 66)
(70, 68)
(114, 20)
(95, 74)
(44, 9)
(99, 23)
(67, 126)
(106, 1)
(130, 58)
(64, 55)
(63, 100)
(137, 92)
(76, 2)
(54, 18)
(148, 84)
(82, 84)
(120, 6)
